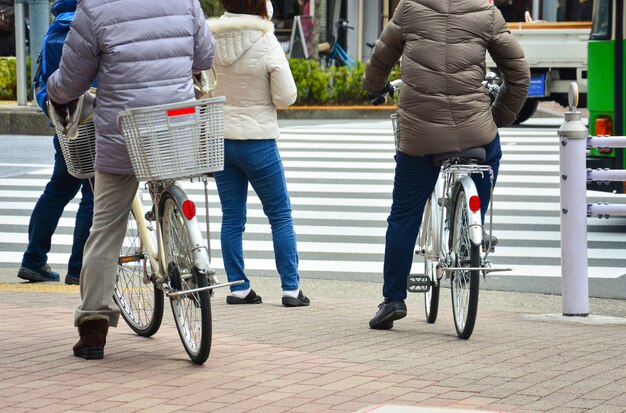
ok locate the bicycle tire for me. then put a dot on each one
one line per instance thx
(139, 300)
(428, 244)
(192, 312)
(464, 285)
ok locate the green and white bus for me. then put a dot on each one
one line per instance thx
(606, 86)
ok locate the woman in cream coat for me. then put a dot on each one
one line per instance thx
(254, 76)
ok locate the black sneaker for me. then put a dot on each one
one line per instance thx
(251, 298)
(72, 280)
(489, 242)
(38, 275)
(301, 301)
(387, 313)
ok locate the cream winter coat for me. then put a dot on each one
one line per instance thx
(252, 73)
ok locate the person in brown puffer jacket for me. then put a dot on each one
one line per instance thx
(443, 107)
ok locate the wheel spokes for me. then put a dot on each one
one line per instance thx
(187, 307)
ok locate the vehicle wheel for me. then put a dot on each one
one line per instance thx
(140, 302)
(464, 284)
(429, 246)
(192, 312)
(527, 111)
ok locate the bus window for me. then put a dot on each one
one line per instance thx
(601, 27)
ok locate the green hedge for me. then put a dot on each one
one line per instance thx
(330, 86)
(8, 80)
(316, 85)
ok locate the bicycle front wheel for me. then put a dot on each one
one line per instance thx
(464, 283)
(429, 248)
(192, 312)
(139, 300)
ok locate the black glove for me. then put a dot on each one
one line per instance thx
(379, 98)
(60, 108)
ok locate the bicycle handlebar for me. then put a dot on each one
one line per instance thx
(489, 83)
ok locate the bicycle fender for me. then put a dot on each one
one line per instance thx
(476, 226)
(199, 250)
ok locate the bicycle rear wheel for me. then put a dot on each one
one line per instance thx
(140, 302)
(428, 246)
(192, 312)
(464, 283)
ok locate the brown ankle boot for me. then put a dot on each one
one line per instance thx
(93, 337)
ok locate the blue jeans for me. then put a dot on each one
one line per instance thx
(414, 181)
(257, 162)
(61, 189)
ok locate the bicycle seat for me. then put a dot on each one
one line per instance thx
(472, 155)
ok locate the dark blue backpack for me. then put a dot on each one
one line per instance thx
(50, 56)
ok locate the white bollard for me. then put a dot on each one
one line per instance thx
(573, 177)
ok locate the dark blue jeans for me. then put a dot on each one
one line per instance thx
(414, 181)
(257, 162)
(43, 222)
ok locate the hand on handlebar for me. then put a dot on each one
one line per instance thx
(379, 98)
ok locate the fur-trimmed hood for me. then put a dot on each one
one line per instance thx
(236, 33)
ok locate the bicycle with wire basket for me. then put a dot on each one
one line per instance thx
(450, 239)
(163, 253)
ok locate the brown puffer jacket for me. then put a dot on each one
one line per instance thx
(442, 106)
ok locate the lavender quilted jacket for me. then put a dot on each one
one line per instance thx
(142, 52)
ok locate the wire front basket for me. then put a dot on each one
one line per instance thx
(80, 153)
(175, 141)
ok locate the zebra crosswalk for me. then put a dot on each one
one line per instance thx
(340, 177)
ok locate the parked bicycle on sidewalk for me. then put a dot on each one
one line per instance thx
(442, 108)
(335, 54)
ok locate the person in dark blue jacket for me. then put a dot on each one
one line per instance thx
(62, 187)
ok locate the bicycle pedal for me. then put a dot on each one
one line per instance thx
(492, 249)
(174, 276)
(418, 283)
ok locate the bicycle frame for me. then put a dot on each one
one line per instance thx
(201, 255)
(338, 53)
(441, 211)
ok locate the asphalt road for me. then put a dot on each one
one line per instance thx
(339, 176)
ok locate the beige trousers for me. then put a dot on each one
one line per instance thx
(113, 198)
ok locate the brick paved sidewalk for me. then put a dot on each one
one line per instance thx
(324, 358)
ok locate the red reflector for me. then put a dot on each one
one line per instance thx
(183, 111)
(189, 209)
(474, 203)
(604, 127)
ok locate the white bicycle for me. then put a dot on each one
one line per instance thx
(164, 252)
(450, 239)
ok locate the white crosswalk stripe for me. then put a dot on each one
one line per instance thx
(340, 177)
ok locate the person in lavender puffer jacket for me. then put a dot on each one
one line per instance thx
(142, 56)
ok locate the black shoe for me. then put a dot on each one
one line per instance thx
(251, 298)
(93, 337)
(38, 275)
(72, 280)
(301, 301)
(387, 313)
(489, 242)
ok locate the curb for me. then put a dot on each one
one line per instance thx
(23, 120)
(30, 120)
(336, 112)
